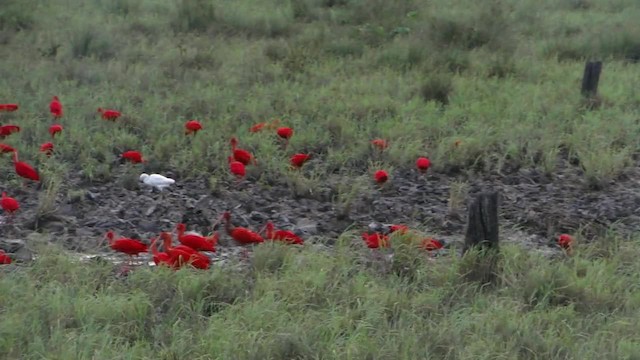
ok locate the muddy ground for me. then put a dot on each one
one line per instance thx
(539, 206)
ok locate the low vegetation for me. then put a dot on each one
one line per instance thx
(479, 87)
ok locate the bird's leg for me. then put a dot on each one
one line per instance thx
(244, 253)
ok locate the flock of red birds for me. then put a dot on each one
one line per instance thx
(191, 244)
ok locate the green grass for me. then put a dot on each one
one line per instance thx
(501, 76)
(304, 303)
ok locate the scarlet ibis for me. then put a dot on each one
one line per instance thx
(566, 242)
(8, 107)
(240, 234)
(130, 247)
(182, 254)
(9, 204)
(381, 177)
(401, 229)
(381, 144)
(375, 240)
(156, 181)
(54, 129)
(192, 127)
(24, 170)
(431, 244)
(264, 125)
(159, 258)
(5, 149)
(282, 235)
(55, 107)
(285, 133)
(297, 160)
(423, 164)
(108, 114)
(4, 258)
(133, 156)
(241, 155)
(237, 168)
(7, 130)
(47, 148)
(196, 242)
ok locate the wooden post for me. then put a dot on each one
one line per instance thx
(482, 226)
(482, 234)
(590, 79)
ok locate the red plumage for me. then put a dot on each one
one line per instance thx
(192, 127)
(8, 107)
(182, 254)
(133, 156)
(375, 240)
(55, 107)
(423, 164)
(9, 204)
(431, 244)
(4, 258)
(47, 148)
(7, 130)
(24, 170)
(240, 234)
(109, 114)
(381, 176)
(197, 242)
(380, 143)
(282, 235)
(298, 160)
(237, 168)
(54, 129)
(5, 149)
(131, 247)
(241, 155)
(285, 132)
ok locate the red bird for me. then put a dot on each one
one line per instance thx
(285, 133)
(192, 127)
(55, 107)
(197, 242)
(260, 126)
(5, 149)
(401, 229)
(159, 258)
(181, 254)
(130, 247)
(240, 234)
(54, 129)
(24, 170)
(237, 168)
(566, 242)
(133, 156)
(381, 144)
(282, 235)
(47, 148)
(431, 244)
(241, 155)
(381, 177)
(375, 240)
(4, 258)
(109, 114)
(9, 204)
(7, 130)
(298, 160)
(8, 107)
(423, 164)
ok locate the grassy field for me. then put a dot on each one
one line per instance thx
(500, 78)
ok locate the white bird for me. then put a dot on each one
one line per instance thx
(156, 181)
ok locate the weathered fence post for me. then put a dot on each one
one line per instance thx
(590, 79)
(589, 90)
(483, 234)
(482, 226)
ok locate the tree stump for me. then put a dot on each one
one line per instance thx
(482, 237)
(590, 80)
(482, 225)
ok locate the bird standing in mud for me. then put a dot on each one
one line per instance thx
(156, 181)
(9, 205)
